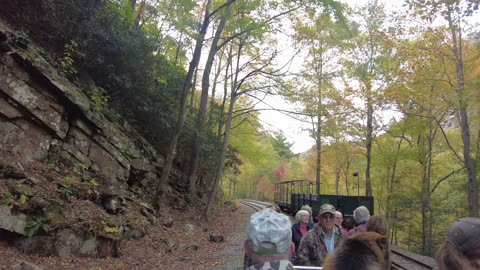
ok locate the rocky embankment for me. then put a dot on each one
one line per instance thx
(72, 183)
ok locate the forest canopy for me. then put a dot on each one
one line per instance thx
(189, 76)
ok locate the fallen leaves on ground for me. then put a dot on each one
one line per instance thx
(149, 252)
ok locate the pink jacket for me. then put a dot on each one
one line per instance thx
(360, 228)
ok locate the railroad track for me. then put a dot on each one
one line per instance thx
(404, 259)
(255, 205)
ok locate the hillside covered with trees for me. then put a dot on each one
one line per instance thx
(395, 98)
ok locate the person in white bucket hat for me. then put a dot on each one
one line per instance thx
(269, 242)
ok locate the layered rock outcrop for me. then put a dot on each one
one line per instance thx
(46, 118)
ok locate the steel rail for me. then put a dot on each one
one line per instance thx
(410, 261)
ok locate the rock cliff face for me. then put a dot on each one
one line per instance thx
(46, 119)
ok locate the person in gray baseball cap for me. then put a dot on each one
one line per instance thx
(269, 242)
(321, 240)
(461, 249)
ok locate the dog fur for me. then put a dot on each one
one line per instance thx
(361, 251)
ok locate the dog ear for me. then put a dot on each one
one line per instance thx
(383, 243)
(385, 248)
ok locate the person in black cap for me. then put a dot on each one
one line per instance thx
(461, 249)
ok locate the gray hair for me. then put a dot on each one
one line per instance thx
(300, 213)
(308, 209)
(361, 214)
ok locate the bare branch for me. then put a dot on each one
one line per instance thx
(444, 178)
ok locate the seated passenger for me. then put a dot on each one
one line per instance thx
(339, 221)
(378, 224)
(362, 251)
(269, 241)
(348, 223)
(320, 240)
(300, 228)
(310, 212)
(361, 216)
(461, 249)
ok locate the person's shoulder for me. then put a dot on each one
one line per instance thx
(340, 232)
(274, 265)
(313, 232)
(308, 236)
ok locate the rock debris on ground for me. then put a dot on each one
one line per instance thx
(150, 252)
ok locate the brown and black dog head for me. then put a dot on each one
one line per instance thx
(361, 251)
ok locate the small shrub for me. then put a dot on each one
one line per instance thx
(99, 97)
(21, 39)
(23, 199)
(51, 165)
(124, 152)
(188, 198)
(8, 198)
(36, 225)
(69, 180)
(67, 62)
(110, 229)
(65, 193)
(92, 184)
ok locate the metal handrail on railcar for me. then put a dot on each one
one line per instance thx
(283, 191)
(291, 195)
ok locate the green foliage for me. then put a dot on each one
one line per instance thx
(188, 198)
(139, 84)
(65, 192)
(36, 225)
(67, 62)
(8, 198)
(99, 97)
(21, 39)
(110, 229)
(43, 53)
(23, 199)
(51, 165)
(125, 151)
(93, 182)
(282, 146)
(92, 188)
(69, 180)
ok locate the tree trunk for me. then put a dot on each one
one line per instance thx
(429, 232)
(368, 144)
(221, 159)
(198, 131)
(140, 13)
(319, 153)
(389, 211)
(214, 87)
(179, 46)
(162, 183)
(337, 180)
(462, 111)
(221, 113)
